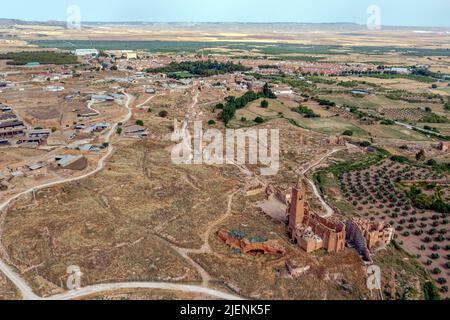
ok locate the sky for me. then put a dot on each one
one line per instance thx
(427, 13)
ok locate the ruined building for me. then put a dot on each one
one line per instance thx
(365, 235)
(444, 146)
(236, 240)
(310, 231)
(337, 141)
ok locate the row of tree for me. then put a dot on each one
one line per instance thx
(200, 68)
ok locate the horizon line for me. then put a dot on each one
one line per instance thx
(225, 22)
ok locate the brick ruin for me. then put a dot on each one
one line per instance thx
(444, 146)
(337, 141)
(310, 231)
(250, 246)
(365, 235)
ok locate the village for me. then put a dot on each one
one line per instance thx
(61, 123)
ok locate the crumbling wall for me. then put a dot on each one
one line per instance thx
(356, 238)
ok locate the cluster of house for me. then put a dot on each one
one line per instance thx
(10, 125)
(59, 162)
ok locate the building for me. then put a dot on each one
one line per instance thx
(32, 65)
(7, 117)
(400, 70)
(337, 141)
(4, 108)
(365, 235)
(10, 129)
(39, 133)
(129, 55)
(72, 162)
(310, 231)
(236, 240)
(86, 52)
(102, 98)
(135, 131)
(68, 119)
(54, 88)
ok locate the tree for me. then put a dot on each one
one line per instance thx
(139, 122)
(267, 92)
(163, 114)
(420, 156)
(119, 131)
(264, 104)
(348, 133)
(211, 122)
(259, 120)
(431, 292)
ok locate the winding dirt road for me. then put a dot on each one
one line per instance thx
(328, 209)
(28, 294)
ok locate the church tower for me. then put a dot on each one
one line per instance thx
(297, 208)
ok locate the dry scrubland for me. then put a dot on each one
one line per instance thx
(127, 222)
(106, 224)
(7, 290)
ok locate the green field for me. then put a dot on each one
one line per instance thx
(263, 48)
(43, 57)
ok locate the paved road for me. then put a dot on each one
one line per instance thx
(411, 127)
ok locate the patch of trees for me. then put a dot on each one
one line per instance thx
(431, 292)
(233, 103)
(355, 110)
(425, 202)
(43, 57)
(306, 112)
(434, 118)
(199, 68)
(399, 159)
(267, 66)
(325, 102)
(387, 122)
(348, 84)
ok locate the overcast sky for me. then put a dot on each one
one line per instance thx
(393, 12)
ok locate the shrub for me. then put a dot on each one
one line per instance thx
(264, 104)
(348, 133)
(259, 120)
(431, 292)
(163, 114)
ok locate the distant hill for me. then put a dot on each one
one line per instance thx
(16, 22)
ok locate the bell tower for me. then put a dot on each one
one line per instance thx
(297, 208)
